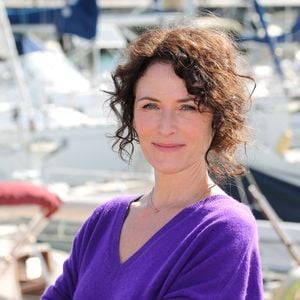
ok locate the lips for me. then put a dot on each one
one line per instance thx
(168, 147)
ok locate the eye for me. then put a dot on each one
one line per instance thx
(188, 107)
(150, 105)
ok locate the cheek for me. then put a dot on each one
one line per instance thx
(202, 137)
(143, 124)
(139, 126)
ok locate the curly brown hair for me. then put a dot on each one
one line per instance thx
(206, 60)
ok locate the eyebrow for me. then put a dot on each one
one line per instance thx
(183, 100)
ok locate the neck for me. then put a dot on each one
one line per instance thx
(180, 189)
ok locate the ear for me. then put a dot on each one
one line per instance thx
(134, 127)
(136, 137)
(213, 129)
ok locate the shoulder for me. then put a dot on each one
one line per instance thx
(102, 218)
(225, 209)
(105, 213)
(111, 206)
(226, 219)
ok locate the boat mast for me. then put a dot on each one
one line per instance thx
(11, 54)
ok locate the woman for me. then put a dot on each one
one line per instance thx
(179, 95)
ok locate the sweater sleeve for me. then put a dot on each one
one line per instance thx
(222, 262)
(65, 285)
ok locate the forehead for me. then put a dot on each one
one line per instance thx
(157, 67)
(160, 78)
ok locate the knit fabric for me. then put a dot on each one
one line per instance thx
(208, 251)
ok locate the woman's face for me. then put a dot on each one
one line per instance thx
(173, 134)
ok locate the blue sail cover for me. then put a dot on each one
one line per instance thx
(78, 17)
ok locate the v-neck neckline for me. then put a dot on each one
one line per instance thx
(121, 216)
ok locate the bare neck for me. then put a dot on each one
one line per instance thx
(182, 188)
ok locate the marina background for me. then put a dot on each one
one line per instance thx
(55, 62)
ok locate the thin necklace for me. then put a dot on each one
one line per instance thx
(157, 210)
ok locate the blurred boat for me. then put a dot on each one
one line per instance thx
(54, 120)
(274, 156)
(25, 265)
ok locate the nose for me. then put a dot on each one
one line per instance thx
(167, 123)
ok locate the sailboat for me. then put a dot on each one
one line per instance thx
(274, 156)
(60, 133)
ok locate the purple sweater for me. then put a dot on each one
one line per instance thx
(208, 251)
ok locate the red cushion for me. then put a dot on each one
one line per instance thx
(20, 193)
